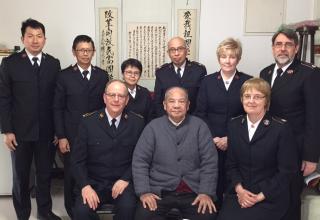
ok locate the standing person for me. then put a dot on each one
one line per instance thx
(295, 86)
(261, 159)
(219, 101)
(102, 155)
(79, 90)
(180, 72)
(140, 100)
(175, 164)
(27, 81)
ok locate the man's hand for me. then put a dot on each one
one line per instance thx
(10, 141)
(118, 188)
(205, 203)
(90, 196)
(149, 200)
(308, 167)
(64, 145)
(221, 143)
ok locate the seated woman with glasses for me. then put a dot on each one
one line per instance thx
(219, 101)
(140, 100)
(261, 159)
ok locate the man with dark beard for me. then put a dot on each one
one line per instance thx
(294, 98)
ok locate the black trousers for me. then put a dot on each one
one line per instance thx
(43, 153)
(125, 205)
(69, 184)
(296, 187)
(180, 201)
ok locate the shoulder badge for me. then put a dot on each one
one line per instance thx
(88, 114)
(310, 65)
(136, 114)
(234, 118)
(280, 120)
(163, 65)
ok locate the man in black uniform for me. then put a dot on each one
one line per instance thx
(102, 154)
(79, 90)
(27, 81)
(294, 97)
(180, 72)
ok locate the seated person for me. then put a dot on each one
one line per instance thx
(261, 159)
(102, 155)
(175, 164)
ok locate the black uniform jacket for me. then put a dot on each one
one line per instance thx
(296, 98)
(216, 105)
(265, 164)
(142, 103)
(26, 97)
(75, 96)
(166, 77)
(100, 157)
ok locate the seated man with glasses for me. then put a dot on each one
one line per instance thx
(102, 154)
(180, 72)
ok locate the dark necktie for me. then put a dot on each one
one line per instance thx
(85, 74)
(179, 72)
(113, 125)
(276, 80)
(35, 64)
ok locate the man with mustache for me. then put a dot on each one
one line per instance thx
(294, 98)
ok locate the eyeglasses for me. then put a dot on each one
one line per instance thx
(287, 45)
(248, 97)
(83, 51)
(114, 96)
(130, 73)
(178, 49)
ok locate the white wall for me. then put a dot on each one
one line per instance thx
(222, 19)
(219, 19)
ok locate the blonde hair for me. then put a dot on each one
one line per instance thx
(259, 85)
(230, 44)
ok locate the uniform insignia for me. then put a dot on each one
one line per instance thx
(290, 72)
(269, 72)
(88, 114)
(236, 76)
(24, 55)
(93, 68)
(266, 122)
(242, 121)
(140, 116)
(75, 67)
(101, 115)
(219, 76)
(126, 116)
(280, 120)
(310, 65)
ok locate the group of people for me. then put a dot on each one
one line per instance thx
(221, 146)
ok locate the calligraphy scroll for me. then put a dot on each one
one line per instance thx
(187, 29)
(147, 43)
(109, 41)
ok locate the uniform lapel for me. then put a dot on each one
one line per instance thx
(93, 78)
(78, 76)
(261, 129)
(234, 81)
(26, 62)
(104, 123)
(122, 125)
(285, 78)
(244, 134)
(220, 82)
(269, 74)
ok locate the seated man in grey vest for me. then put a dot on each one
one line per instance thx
(175, 164)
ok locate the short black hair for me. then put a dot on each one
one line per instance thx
(33, 24)
(131, 62)
(288, 32)
(82, 38)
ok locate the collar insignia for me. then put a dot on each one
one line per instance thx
(266, 122)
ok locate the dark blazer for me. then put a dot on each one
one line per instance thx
(26, 97)
(166, 77)
(142, 104)
(101, 157)
(216, 105)
(75, 96)
(265, 164)
(295, 98)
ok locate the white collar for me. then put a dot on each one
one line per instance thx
(39, 56)
(176, 123)
(118, 118)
